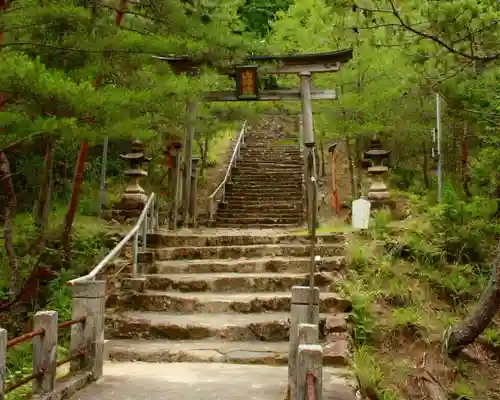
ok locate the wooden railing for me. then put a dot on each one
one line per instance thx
(86, 349)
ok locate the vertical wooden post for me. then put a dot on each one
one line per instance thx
(88, 301)
(44, 351)
(3, 358)
(192, 196)
(177, 185)
(188, 156)
(104, 166)
(298, 316)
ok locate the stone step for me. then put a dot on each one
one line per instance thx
(256, 206)
(231, 282)
(236, 238)
(282, 177)
(271, 167)
(270, 159)
(262, 221)
(242, 189)
(263, 198)
(273, 214)
(267, 327)
(209, 350)
(255, 265)
(216, 303)
(263, 188)
(226, 225)
(276, 158)
(254, 352)
(269, 207)
(267, 164)
(254, 251)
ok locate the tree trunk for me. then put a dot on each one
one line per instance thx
(10, 210)
(322, 157)
(75, 192)
(43, 203)
(351, 168)
(359, 169)
(42, 206)
(466, 331)
(425, 166)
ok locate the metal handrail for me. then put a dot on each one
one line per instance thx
(141, 227)
(234, 158)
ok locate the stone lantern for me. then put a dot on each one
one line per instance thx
(378, 193)
(134, 197)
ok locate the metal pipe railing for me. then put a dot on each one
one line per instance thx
(221, 189)
(142, 228)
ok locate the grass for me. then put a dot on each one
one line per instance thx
(405, 292)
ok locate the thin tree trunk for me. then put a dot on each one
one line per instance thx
(75, 193)
(322, 157)
(10, 210)
(466, 331)
(357, 165)
(351, 168)
(43, 203)
(425, 166)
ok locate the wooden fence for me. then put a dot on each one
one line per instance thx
(85, 351)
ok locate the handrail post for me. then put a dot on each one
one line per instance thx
(151, 212)
(88, 301)
(144, 232)
(211, 210)
(298, 316)
(135, 250)
(44, 351)
(3, 357)
(157, 215)
(309, 368)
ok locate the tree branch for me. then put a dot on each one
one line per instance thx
(439, 41)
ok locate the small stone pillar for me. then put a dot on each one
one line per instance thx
(134, 198)
(44, 351)
(378, 194)
(88, 301)
(299, 315)
(193, 188)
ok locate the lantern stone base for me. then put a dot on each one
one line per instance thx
(130, 207)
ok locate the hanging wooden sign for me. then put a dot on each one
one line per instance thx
(247, 82)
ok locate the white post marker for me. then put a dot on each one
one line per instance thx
(360, 213)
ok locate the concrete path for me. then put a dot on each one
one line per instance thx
(187, 381)
(205, 381)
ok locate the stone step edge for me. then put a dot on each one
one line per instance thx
(214, 351)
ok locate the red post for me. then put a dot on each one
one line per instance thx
(311, 390)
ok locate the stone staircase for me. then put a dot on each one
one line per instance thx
(223, 296)
(266, 185)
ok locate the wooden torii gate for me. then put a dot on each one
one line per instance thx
(248, 88)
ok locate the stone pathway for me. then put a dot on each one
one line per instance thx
(221, 297)
(194, 381)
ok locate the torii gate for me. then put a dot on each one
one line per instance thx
(248, 89)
